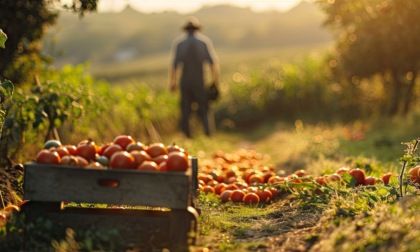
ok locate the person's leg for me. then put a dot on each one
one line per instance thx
(203, 114)
(185, 112)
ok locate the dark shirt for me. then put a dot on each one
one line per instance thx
(192, 51)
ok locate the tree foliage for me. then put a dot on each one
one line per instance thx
(25, 23)
(378, 37)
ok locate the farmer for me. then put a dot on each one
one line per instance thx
(191, 51)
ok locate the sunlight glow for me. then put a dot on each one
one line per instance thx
(188, 6)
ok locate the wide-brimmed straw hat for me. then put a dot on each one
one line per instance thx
(191, 23)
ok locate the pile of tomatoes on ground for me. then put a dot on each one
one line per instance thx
(245, 177)
(124, 152)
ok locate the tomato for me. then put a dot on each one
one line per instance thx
(148, 165)
(267, 175)
(265, 195)
(358, 175)
(103, 147)
(333, 178)
(386, 177)
(251, 198)
(321, 180)
(9, 209)
(96, 165)
(256, 178)
(173, 147)
(342, 170)
(177, 161)
(122, 160)
(3, 219)
(124, 140)
(274, 192)
(135, 146)
(301, 173)
(161, 158)
(81, 161)
(275, 179)
(87, 149)
(62, 151)
(219, 188)
(370, 180)
(70, 160)
(414, 174)
(71, 148)
(157, 149)
(207, 189)
(237, 196)
(111, 149)
(163, 167)
(140, 156)
(225, 195)
(48, 157)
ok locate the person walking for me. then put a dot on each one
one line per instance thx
(191, 52)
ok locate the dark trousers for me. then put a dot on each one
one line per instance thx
(189, 96)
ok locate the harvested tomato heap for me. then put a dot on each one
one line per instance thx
(246, 177)
(122, 153)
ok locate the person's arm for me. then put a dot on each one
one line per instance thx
(172, 79)
(215, 73)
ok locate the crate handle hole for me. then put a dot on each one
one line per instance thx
(112, 183)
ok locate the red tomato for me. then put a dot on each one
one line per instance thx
(148, 165)
(48, 157)
(157, 149)
(177, 161)
(135, 146)
(173, 147)
(370, 180)
(358, 175)
(321, 180)
(87, 149)
(62, 151)
(70, 160)
(386, 177)
(122, 160)
(71, 148)
(237, 196)
(81, 161)
(140, 156)
(265, 195)
(251, 198)
(163, 167)
(161, 158)
(111, 149)
(124, 140)
(225, 195)
(102, 148)
(414, 174)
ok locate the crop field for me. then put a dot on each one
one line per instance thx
(288, 180)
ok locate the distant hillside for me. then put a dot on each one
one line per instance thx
(109, 38)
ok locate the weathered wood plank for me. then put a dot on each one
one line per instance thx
(124, 187)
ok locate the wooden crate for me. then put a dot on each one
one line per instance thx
(152, 210)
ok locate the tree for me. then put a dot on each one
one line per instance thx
(24, 22)
(378, 38)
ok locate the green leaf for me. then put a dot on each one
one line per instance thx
(3, 38)
(6, 90)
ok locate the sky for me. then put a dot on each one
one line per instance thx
(187, 6)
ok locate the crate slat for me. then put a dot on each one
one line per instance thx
(141, 188)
